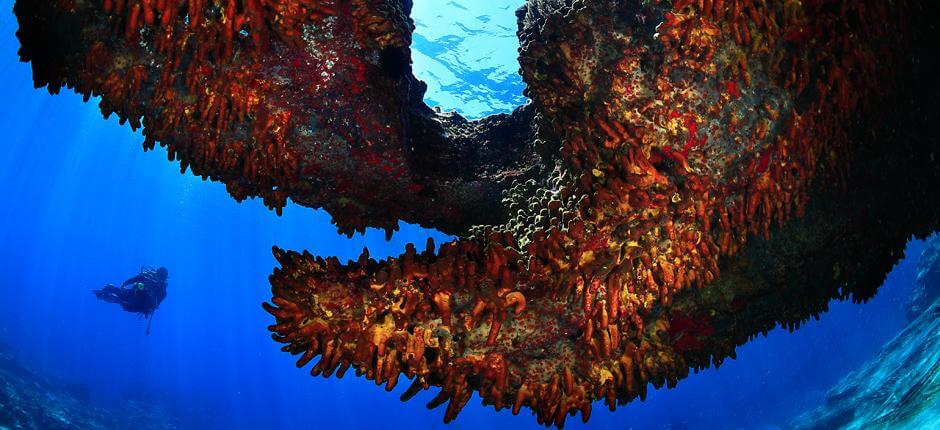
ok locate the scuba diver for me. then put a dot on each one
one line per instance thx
(141, 294)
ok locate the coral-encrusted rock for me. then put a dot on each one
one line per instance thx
(927, 284)
(313, 101)
(688, 174)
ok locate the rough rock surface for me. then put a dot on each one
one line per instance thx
(688, 174)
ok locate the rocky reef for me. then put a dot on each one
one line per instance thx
(29, 401)
(688, 174)
(898, 388)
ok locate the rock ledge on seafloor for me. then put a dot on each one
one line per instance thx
(31, 402)
(898, 388)
(928, 279)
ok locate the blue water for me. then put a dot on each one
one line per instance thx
(83, 205)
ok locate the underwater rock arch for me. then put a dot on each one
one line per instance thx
(688, 174)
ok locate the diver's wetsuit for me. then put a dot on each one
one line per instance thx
(147, 290)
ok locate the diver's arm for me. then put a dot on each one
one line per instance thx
(134, 280)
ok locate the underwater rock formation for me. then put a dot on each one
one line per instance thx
(688, 174)
(898, 388)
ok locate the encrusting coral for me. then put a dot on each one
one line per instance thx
(687, 175)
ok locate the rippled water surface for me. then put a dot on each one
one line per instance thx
(467, 53)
